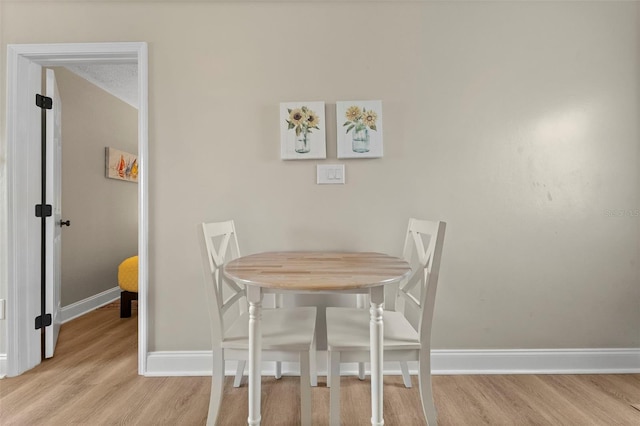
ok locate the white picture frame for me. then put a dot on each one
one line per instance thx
(121, 165)
(359, 129)
(302, 131)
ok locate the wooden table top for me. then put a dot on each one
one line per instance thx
(317, 270)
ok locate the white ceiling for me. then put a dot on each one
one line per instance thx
(121, 80)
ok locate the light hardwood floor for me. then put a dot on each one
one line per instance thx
(92, 380)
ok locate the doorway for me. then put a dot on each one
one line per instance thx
(19, 244)
(99, 110)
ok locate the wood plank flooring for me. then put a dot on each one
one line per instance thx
(92, 380)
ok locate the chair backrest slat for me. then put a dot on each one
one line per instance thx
(424, 279)
(413, 281)
(219, 245)
(411, 299)
(231, 301)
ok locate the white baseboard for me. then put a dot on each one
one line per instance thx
(89, 304)
(444, 362)
(536, 361)
(179, 363)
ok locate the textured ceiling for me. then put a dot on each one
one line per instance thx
(121, 80)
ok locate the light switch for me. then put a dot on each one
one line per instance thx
(330, 174)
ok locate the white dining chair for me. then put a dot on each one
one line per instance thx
(348, 328)
(288, 334)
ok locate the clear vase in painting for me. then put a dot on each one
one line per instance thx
(302, 142)
(360, 139)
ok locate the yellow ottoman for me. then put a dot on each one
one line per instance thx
(128, 282)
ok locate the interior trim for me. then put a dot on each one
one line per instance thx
(14, 252)
(443, 362)
(89, 304)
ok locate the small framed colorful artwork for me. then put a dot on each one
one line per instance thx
(121, 165)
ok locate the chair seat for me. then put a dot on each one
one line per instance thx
(290, 328)
(128, 274)
(348, 330)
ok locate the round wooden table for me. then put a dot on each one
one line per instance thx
(316, 272)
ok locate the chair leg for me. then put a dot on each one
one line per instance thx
(278, 374)
(217, 382)
(313, 367)
(426, 392)
(362, 301)
(334, 393)
(125, 303)
(305, 390)
(406, 377)
(237, 381)
(361, 370)
(278, 303)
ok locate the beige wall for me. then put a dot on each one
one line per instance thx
(515, 122)
(103, 212)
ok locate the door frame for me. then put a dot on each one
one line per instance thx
(21, 170)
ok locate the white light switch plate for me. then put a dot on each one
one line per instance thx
(330, 174)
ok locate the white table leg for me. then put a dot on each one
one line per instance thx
(376, 335)
(254, 296)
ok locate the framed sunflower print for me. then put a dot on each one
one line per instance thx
(302, 131)
(359, 129)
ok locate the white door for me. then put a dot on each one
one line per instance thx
(54, 225)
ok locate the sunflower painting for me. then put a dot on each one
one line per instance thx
(359, 133)
(302, 134)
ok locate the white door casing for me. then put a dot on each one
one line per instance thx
(54, 227)
(21, 249)
(20, 190)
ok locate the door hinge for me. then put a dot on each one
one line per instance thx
(47, 210)
(46, 323)
(44, 102)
